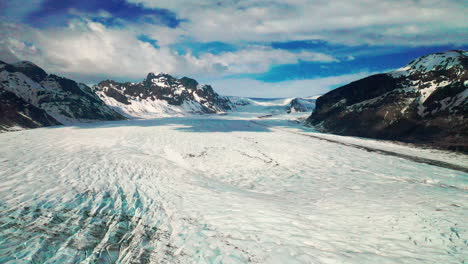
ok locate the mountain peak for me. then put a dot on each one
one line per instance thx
(434, 62)
(160, 79)
(152, 75)
(29, 69)
(425, 102)
(25, 64)
(161, 94)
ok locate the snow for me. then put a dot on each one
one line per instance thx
(425, 93)
(22, 86)
(197, 98)
(147, 108)
(11, 128)
(461, 98)
(426, 64)
(154, 108)
(158, 73)
(431, 62)
(29, 118)
(150, 107)
(224, 189)
(161, 82)
(28, 90)
(315, 97)
(264, 106)
(304, 105)
(33, 92)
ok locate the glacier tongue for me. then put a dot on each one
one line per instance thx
(223, 189)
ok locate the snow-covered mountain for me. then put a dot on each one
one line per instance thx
(17, 114)
(273, 105)
(161, 95)
(32, 98)
(423, 102)
(301, 105)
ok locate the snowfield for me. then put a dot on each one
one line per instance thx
(225, 189)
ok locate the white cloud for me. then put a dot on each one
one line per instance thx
(416, 22)
(294, 88)
(255, 59)
(90, 49)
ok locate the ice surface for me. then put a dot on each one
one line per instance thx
(224, 189)
(264, 106)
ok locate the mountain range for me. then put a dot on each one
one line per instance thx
(424, 102)
(161, 95)
(32, 98)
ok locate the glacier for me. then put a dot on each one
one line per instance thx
(232, 188)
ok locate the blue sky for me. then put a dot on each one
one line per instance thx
(263, 48)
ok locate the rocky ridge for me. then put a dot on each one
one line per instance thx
(424, 102)
(161, 95)
(32, 98)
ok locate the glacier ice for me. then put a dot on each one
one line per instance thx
(224, 189)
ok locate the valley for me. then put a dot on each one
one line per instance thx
(229, 188)
(231, 132)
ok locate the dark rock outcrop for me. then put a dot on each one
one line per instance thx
(17, 114)
(423, 103)
(33, 98)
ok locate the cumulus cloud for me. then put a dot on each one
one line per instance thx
(252, 60)
(88, 49)
(415, 22)
(91, 49)
(95, 44)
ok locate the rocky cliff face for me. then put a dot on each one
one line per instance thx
(32, 98)
(161, 95)
(17, 114)
(424, 102)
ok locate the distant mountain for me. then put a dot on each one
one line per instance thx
(424, 102)
(273, 106)
(301, 105)
(161, 95)
(32, 98)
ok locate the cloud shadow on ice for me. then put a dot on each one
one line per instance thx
(184, 124)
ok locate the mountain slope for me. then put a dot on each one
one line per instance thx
(424, 102)
(161, 95)
(17, 113)
(47, 99)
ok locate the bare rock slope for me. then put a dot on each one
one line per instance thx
(32, 98)
(424, 102)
